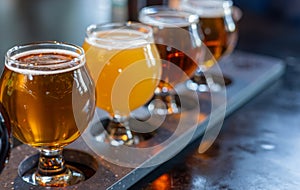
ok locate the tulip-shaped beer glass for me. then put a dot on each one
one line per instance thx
(178, 41)
(126, 68)
(49, 99)
(220, 35)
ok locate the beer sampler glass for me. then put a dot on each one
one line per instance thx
(178, 41)
(49, 99)
(219, 35)
(126, 68)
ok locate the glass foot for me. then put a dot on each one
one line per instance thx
(76, 170)
(72, 176)
(209, 83)
(164, 104)
(117, 135)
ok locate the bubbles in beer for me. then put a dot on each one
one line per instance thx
(118, 39)
(46, 61)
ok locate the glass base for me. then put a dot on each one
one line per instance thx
(81, 166)
(72, 176)
(164, 104)
(116, 134)
(117, 140)
(208, 83)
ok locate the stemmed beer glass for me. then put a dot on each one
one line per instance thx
(220, 35)
(179, 43)
(49, 99)
(126, 68)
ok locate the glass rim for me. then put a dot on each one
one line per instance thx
(188, 18)
(114, 26)
(224, 3)
(14, 53)
(211, 8)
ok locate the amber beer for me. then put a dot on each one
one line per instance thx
(217, 24)
(39, 101)
(173, 58)
(217, 37)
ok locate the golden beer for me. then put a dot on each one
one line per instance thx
(125, 74)
(39, 101)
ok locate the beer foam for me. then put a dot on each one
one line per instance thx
(206, 9)
(168, 19)
(40, 66)
(118, 39)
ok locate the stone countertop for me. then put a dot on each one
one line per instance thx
(256, 149)
(258, 145)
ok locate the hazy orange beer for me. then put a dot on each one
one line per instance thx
(135, 67)
(126, 68)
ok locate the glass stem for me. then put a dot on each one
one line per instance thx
(199, 77)
(53, 172)
(171, 104)
(51, 162)
(119, 131)
(164, 103)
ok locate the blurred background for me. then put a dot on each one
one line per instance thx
(268, 26)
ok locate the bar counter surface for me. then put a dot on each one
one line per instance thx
(258, 145)
(256, 149)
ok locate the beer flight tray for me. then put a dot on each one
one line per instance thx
(108, 167)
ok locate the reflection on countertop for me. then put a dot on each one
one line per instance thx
(256, 149)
